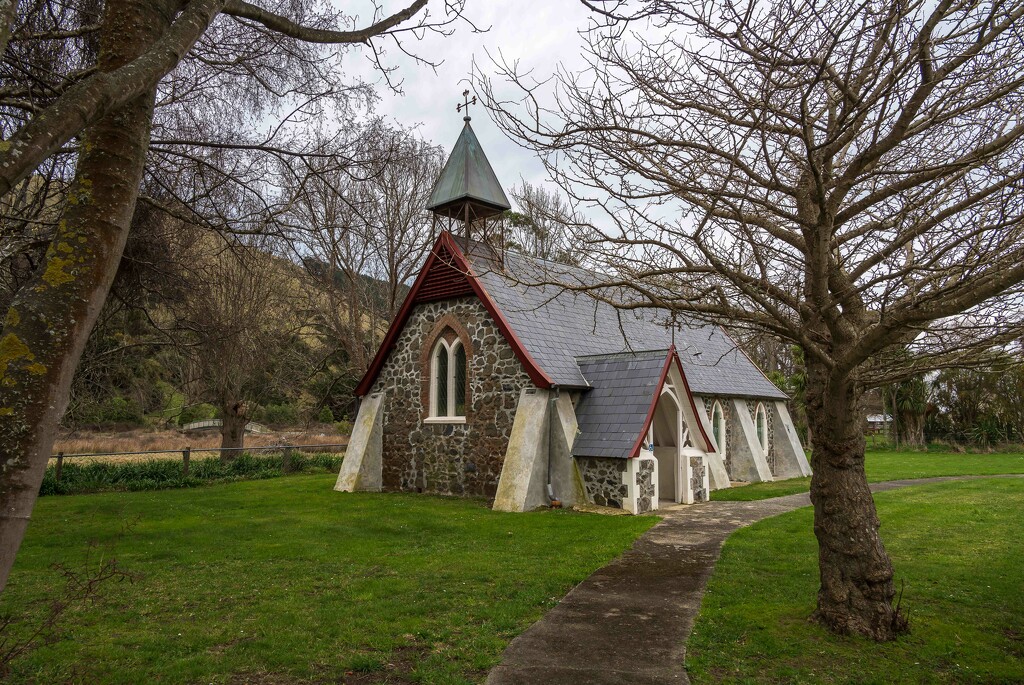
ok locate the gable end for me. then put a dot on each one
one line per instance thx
(447, 274)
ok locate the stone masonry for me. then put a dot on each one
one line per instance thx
(645, 487)
(602, 478)
(697, 471)
(449, 458)
(770, 427)
(731, 429)
(709, 405)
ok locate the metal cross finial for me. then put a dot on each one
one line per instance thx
(465, 106)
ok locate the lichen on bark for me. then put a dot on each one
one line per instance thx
(12, 349)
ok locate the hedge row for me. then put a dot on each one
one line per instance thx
(159, 474)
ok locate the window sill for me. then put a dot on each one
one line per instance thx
(445, 419)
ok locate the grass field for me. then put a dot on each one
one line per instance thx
(958, 553)
(285, 581)
(881, 466)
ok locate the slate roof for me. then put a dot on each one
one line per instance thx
(612, 414)
(467, 175)
(557, 325)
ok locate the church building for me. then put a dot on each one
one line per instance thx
(502, 378)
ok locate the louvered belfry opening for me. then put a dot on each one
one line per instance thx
(444, 279)
(468, 194)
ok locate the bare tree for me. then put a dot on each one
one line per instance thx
(239, 327)
(90, 96)
(846, 176)
(367, 235)
(398, 226)
(544, 224)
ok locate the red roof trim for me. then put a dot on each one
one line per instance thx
(445, 243)
(657, 396)
(654, 404)
(693, 405)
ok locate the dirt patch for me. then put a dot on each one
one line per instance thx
(260, 678)
(1016, 642)
(397, 670)
(172, 442)
(225, 646)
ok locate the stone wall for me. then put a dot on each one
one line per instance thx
(449, 458)
(602, 478)
(769, 426)
(730, 429)
(698, 471)
(733, 432)
(646, 496)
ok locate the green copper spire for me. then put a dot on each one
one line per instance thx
(467, 180)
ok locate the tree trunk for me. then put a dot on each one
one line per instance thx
(856, 594)
(50, 318)
(911, 429)
(8, 13)
(232, 429)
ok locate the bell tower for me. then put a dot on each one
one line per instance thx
(467, 191)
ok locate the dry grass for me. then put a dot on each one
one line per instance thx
(145, 440)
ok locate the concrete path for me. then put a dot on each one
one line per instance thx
(628, 623)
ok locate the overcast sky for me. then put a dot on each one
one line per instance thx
(538, 34)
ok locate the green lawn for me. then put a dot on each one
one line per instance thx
(958, 551)
(285, 580)
(882, 466)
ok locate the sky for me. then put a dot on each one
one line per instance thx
(540, 35)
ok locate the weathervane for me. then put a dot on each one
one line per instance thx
(465, 105)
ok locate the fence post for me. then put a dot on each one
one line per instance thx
(185, 455)
(286, 459)
(60, 465)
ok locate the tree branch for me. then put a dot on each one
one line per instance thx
(275, 22)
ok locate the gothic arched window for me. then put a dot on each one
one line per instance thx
(718, 427)
(448, 380)
(761, 421)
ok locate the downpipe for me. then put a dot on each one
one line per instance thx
(552, 417)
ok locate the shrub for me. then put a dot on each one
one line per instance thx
(325, 415)
(114, 411)
(160, 474)
(278, 414)
(343, 427)
(196, 412)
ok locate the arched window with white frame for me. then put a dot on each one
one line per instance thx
(761, 421)
(448, 381)
(718, 428)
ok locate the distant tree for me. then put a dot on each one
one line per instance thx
(367, 235)
(1010, 391)
(845, 176)
(972, 406)
(543, 226)
(907, 404)
(239, 329)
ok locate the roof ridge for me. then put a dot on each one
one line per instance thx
(624, 354)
